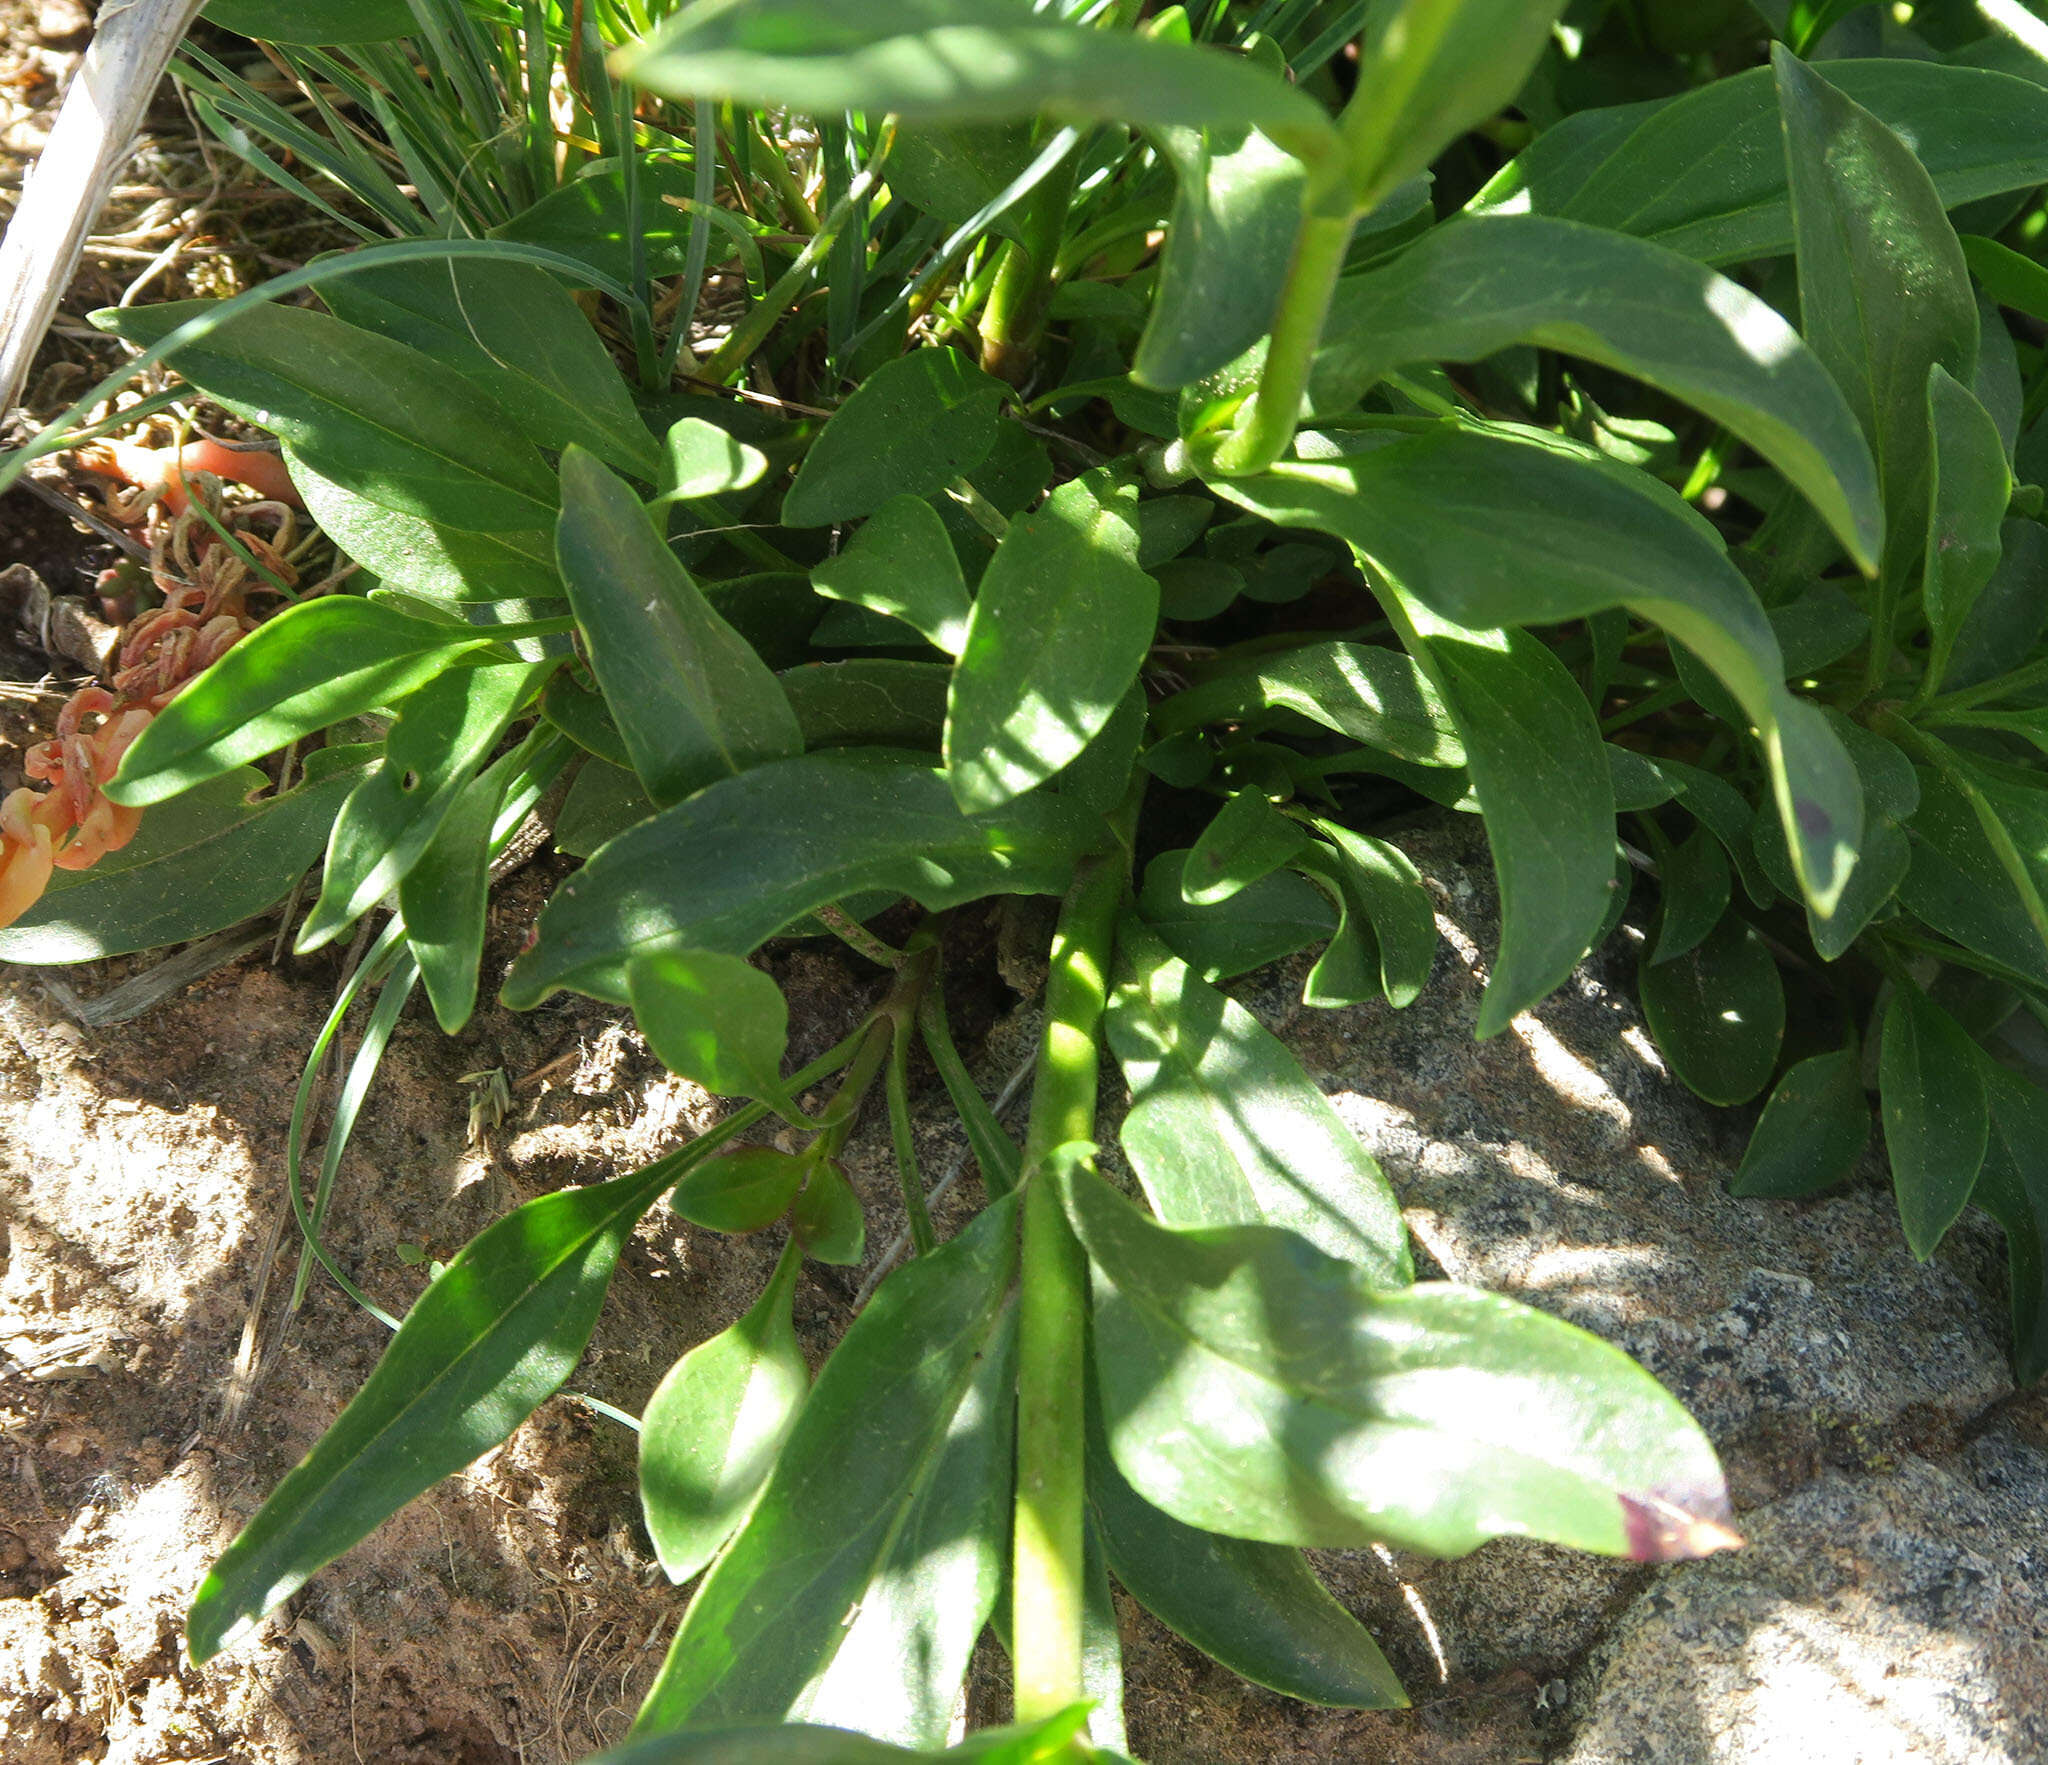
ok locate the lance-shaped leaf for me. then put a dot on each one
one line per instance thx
(689, 695)
(1813, 1131)
(1937, 1120)
(1381, 882)
(911, 428)
(1968, 489)
(499, 1330)
(710, 1432)
(1718, 1013)
(1226, 1129)
(1539, 770)
(1431, 70)
(315, 21)
(378, 417)
(741, 1191)
(1257, 1608)
(869, 701)
(442, 733)
(430, 558)
(1373, 695)
(1704, 173)
(2013, 1188)
(1236, 211)
(197, 865)
(897, 1671)
(445, 899)
(313, 665)
(1510, 528)
(966, 61)
(1884, 292)
(1959, 885)
(910, 1388)
(1060, 626)
(1474, 288)
(1253, 1385)
(750, 855)
(1038, 1743)
(902, 564)
(512, 329)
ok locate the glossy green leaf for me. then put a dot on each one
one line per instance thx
(1704, 173)
(426, 557)
(710, 1432)
(1040, 1743)
(1373, 695)
(1246, 839)
(701, 459)
(1272, 918)
(513, 330)
(1509, 527)
(1968, 489)
(1235, 216)
(952, 171)
(910, 1378)
(869, 701)
(1252, 1384)
(2010, 612)
(689, 695)
(378, 417)
(1884, 293)
(1537, 766)
(2013, 1188)
(714, 1019)
(441, 735)
(1718, 1013)
(902, 564)
(1694, 884)
(498, 1331)
(1937, 1118)
(1812, 1133)
(1060, 626)
(603, 801)
(750, 855)
(1381, 882)
(827, 1218)
(445, 900)
(1958, 886)
(197, 865)
(911, 428)
(1433, 69)
(966, 61)
(1257, 1608)
(897, 1674)
(1476, 287)
(312, 665)
(582, 716)
(1226, 1129)
(740, 1191)
(314, 21)
(587, 218)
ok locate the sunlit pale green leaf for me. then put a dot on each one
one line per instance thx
(902, 563)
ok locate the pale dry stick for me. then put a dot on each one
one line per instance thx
(95, 129)
(954, 1172)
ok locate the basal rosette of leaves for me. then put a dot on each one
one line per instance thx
(1180, 458)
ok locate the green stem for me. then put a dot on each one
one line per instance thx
(1046, 1568)
(903, 1138)
(1268, 423)
(761, 318)
(1949, 705)
(1019, 298)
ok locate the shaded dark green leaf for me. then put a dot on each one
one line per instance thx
(902, 564)
(1718, 1013)
(2013, 1188)
(1813, 1131)
(1937, 1119)
(1272, 918)
(689, 695)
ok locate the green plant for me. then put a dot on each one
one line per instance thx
(1592, 529)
